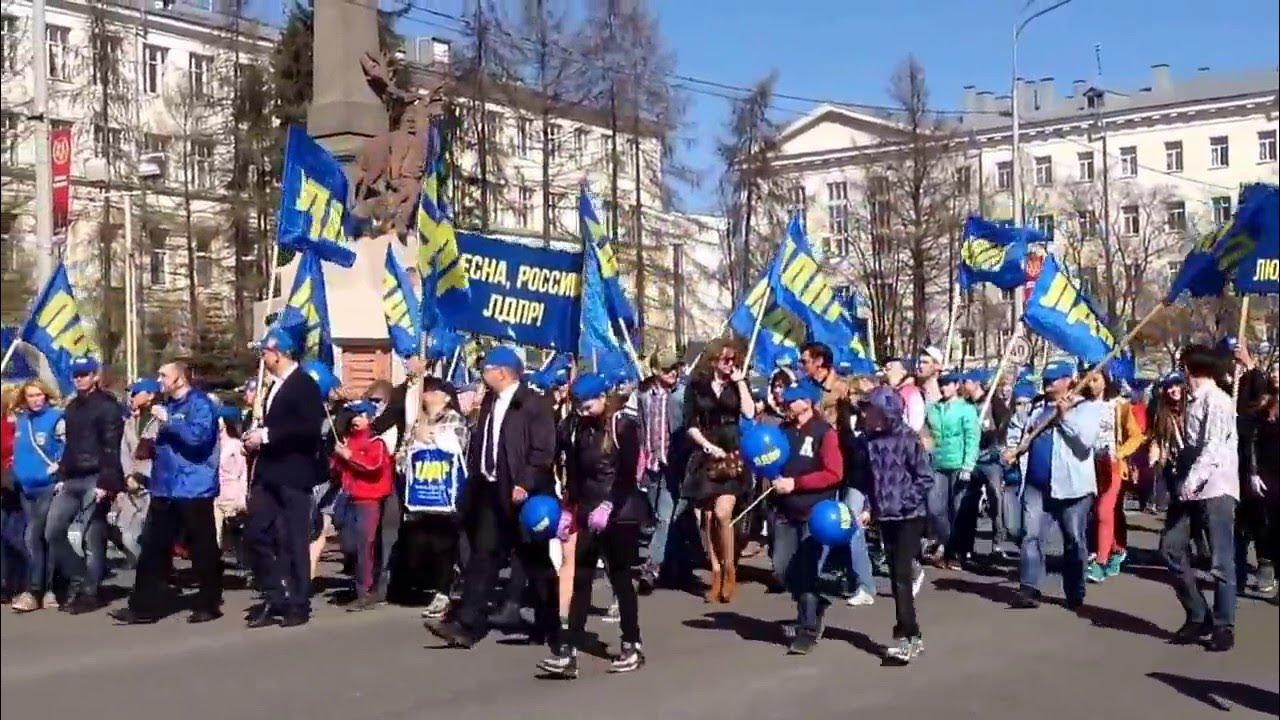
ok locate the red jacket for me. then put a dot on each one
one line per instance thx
(368, 474)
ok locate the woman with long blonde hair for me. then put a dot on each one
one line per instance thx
(715, 402)
(39, 436)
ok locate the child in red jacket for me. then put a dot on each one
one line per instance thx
(364, 463)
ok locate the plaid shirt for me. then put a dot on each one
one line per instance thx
(655, 417)
(1209, 445)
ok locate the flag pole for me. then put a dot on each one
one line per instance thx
(8, 354)
(951, 327)
(755, 331)
(1241, 337)
(995, 379)
(258, 395)
(626, 338)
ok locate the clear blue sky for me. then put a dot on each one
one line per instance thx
(847, 49)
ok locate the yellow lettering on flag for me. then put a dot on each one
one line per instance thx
(325, 211)
(394, 307)
(982, 254)
(60, 317)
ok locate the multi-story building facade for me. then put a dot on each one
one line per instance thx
(1120, 181)
(147, 90)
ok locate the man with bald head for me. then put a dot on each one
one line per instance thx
(184, 483)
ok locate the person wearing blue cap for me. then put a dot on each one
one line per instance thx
(184, 483)
(601, 444)
(91, 475)
(139, 446)
(812, 473)
(1023, 393)
(1060, 485)
(510, 461)
(953, 424)
(286, 445)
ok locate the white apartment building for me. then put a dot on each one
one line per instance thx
(171, 68)
(1176, 155)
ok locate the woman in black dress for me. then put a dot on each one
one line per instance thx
(715, 401)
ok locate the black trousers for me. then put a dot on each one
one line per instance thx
(493, 534)
(279, 534)
(429, 548)
(167, 518)
(901, 545)
(619, 545)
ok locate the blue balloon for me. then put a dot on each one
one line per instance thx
(765, 449)
(540, 516)
(323, 376)
(832, 523)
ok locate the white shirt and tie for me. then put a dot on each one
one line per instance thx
(271, 396)
(489, 460)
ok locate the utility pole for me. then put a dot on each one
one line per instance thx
(1106, 190)
(483, 125)
(613, 128)
(639, 231)
(44, 172)
(546, 125)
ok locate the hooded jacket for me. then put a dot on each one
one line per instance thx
(37, 440)
(896, 461)
(954, 425)
(186, 462)
(368, 474)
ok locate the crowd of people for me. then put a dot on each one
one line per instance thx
(423, 485)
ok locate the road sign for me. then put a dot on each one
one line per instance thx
(1020, 352)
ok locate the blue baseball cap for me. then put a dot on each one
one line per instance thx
(588, 387)
(1173, 378)
(144, 385)
(362, 407)
(949, 377)
(1024, 391)
(804, 389)
(1057, 370)
(1229, 343)
(280, 340)
(84, 366)
(503, 357)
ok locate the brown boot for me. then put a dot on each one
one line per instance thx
(729, 587)
(713, 592)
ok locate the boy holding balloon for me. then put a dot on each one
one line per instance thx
(805, 468)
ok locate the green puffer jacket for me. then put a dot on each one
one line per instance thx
(954, 425)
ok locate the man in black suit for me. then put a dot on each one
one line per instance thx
(287, 443)
(509, 460)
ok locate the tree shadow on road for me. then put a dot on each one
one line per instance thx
(773, 633)
(1222, 694)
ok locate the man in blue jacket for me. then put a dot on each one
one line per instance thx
(184, 483)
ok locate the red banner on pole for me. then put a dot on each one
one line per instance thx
(60, 162)
(1035, 263)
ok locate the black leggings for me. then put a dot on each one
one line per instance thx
(901, 545)
(619, 545)
(428, 546)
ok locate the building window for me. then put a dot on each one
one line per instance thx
(963, 182)
(153, 143)
(202, 163)
(1085, 162)
(524, 206)
(1004, 175)
(796, 204)
(523, 127)
(1219, 156)
(1267, 146)
(553, 140)
(58, 42)
(107, 56)
(108, 140)
(199, 74)
(1087, 222)
(11, 42)
(154, 58)
(1044, 171)
(1129, 224)
(580, 140)
(1221, 209)
(1044, 223)
(1175, 216)
(204, 256)
(558, 201)
(1173, 156)
(1129, 161)
(838, 211)
(159, 271)
(12, 133)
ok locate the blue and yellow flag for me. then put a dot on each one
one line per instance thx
(594, 237)
(56, 328)
(1246, 251)
(994, 254)
(313, 195)
(305, 314)
(446, 290)
(601, 338)
(400, 309)
(1059, 312)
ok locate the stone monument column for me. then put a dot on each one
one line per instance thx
(344, 111)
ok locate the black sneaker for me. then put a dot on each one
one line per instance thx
(507, 616)
(562, 663)
(1025, 600)
(82, 604)
(803, 643)
(1222, 639)
(631, 658)
(648, 580)
(127, 616)
(451, 632)
(1190, 633)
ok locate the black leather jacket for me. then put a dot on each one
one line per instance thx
(95, 424)
(600, 468)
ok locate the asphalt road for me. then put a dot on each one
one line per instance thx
(705, 661)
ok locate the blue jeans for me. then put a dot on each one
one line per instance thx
(662, 503)
(795, 560)
(1072, 517)
(13, 548)
(943, 503)
(859, 557)
(1218, 516)
(77, 504)
(39, 559)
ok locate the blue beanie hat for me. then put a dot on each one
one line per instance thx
(504, 357)
(588, 387)
(805, 389)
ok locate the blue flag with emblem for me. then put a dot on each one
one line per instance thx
(56, 329)
(446, 290)
(600, 338)
(400, 308)
(593, 236)
(1062, 314)
(305, 314)
(1245, 251)
(995, 254)
(313, 195)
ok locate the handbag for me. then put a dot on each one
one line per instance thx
(729, 467)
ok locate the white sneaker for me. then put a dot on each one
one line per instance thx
(918, 582)
(438, 607)
(862, 598)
